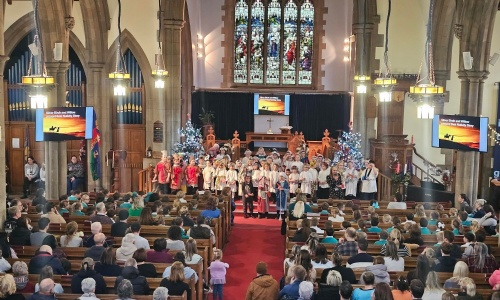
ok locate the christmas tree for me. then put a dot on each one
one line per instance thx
(349, 149)
(191, 141)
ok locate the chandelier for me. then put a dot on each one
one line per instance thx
(361, 79)
(385, 82)
(159, 72)
(426, 93)
(36, 83)
(120, 78)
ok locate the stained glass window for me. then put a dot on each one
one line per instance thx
(273, 42)
(240, 42)
(306, 42)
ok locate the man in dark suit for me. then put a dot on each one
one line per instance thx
(118, 229)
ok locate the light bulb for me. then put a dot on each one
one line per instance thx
(361, 89)
(425, 111)
(159, 84)
(38, 101)
(385, 96)
(119, 90)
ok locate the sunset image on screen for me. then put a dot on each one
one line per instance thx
(271, 107)
(459, 134)
(68, 125)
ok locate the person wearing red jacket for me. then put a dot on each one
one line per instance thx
(176, 180)
(192, 174)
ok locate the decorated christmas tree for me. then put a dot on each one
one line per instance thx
(191, 141)
(349, 149)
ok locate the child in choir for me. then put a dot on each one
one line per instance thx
(162, 174)
(255, 177)
(288, 160)
(261, 154)
(245, 160)
(176, 181)
(248, 196)
(282, 190)
(294, 179)
(351, 176)
(276, 158)
(273, 178)
(208, 176)
(218, 275)
(192, 174)
(303, 157)
(323, 186)
(223, 154)
(314, 174)
(297, 163)
(232, 179)
(263, 187)
(242, 173)
(306, 180)
(383, 238)
(220, 177)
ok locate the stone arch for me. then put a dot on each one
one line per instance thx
(129, 42)
(55, 24)
(24, 25)
(442, 38)
(97, 24)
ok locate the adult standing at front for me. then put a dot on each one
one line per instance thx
(369, 181)
(351, 180)
(31, 174)
(334, 180)
(75, 174)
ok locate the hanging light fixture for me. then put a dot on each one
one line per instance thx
(36, 83)
(119, 77)
(426, 93)
(385, 82)
(361, 79)
(159, 72)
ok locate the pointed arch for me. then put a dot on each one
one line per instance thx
(97, 24)
(129, 42)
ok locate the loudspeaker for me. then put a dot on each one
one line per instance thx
(468, 60)
(494, 58)
(58, 51)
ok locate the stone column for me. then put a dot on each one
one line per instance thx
(362, 66)
(3, 99)
(55, 152)
(173, 22)
(467, 172)
(98, 98)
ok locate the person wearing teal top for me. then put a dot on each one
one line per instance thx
(384, 235)
(374, 203)
(64, 207)
(126, 205)
(324, 208)
(455, 231)
(77, 209)
(329, 239)
(423, 226)
(374, 228)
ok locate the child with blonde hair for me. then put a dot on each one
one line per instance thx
(453, 212)
(218, 275)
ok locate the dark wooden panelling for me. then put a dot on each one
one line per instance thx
(131, 138)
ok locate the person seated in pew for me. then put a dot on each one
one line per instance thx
(160, 293)
(329, 237)
(464, 217)
(125, 290)
(397, 237)
(106, 266)
(174, 238)
(8, 288)
(392, 260)
(314, 225)
(188, 271)
(481, 261)
(324, 208)
(180, 222)
(96, 251)
(176, 284)
(20, 273)
(72, 237)
(445, 263)
(311, 243)
(396, 223)
(130, 272)
(434, 218)
(291, 290)
(489, 221)
(37, 238)
(383, 235)
(378, 269)
(320, 260)
(449, 237)
(127, 248)
(20, 236)
(331, 289)
(95, 228)
(126, 202)
(468, 290)
(422, 269)
(119, 228)
(433, 289)
(397, 202)
(101, 215)
(469, 242)
(46, 291)
(386, 219)
(87, 271)
(335, 215)
(479, 208)
(199, 231)
(401, 289)
(53, 214)
(347, 245)
(145, 269)
(361, 259)
(303, 231)
(458, 229)
(365, 293)
(306, 290)
(139, 242)
(345, 290)
(374, 225)
(88, 289)
(461, 270)
(159, 254)
(423, 226)
(439, 238)
(186, 217)
(293, 259)
(361, 225)
(191, 253)
(415, 235)
(347, 273)
(45, 258)
(45, 273)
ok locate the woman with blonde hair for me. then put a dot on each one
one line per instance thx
(420, 211)
(433, 289)
(292, 260)
(311, 243)
(387, 219)
(333, 281)
(137, 206)
(8, 288)
(298, 211)
(72, 237)
(460, 271)
(468, 287)
(192, 256)
(474, 226)
(453, 212)
(175, 282)
(397, 237)
(335, 215)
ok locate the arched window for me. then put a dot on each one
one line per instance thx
(273, 42)
(129, 107)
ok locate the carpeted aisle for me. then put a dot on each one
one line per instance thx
(251, 241)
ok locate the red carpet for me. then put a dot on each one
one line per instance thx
(251, 241)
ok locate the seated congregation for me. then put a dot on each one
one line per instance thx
(100, 245)
(368, 250)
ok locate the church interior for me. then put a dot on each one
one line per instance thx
(412, 86)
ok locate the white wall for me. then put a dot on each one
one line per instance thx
(79, 30)
(15, 11)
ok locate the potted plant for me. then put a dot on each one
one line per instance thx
(207, 119)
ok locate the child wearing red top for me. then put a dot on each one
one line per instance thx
(192, 173)
(175, 183)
